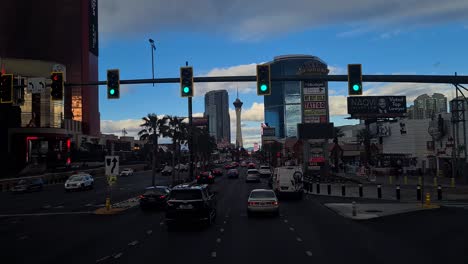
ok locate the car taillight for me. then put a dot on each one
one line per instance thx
(211, 177)
(162, 196)
(275, 203)
(141, 196)
(198, 177)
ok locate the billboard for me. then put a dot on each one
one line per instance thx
(314, 102)
(315, 131)
(376, 106)
(268, 132)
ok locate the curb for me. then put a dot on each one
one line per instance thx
(111, 211)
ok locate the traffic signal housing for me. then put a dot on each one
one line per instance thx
(113, 84)
(354, 79)
(56, 87)
(6, 88)
(186, 81)
(263, 80)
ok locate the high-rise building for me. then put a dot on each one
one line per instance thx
(283, 106)
(426, 106)
(48, 36)
(238, 106)
(217, 112)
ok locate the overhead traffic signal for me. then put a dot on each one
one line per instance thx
(56, 87)
(263, 80)
(6, 88)
(354, 79)
(186, 81)
(113, 84)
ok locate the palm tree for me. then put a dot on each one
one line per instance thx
(364, 137)
(172, 129)
(151, 131)
(205, 144)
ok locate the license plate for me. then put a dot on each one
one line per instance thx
(185, 206)
(151, 199)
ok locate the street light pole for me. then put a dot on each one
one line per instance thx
(190, 141)
(153, 48)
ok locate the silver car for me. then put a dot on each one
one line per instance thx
(262, 201)
(252, 176)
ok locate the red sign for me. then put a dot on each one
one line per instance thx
(315, 105)
(317, 160)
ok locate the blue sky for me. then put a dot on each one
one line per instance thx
(431, 39)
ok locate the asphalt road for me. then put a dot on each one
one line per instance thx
(306, 231)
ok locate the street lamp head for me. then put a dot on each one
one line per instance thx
(151, 41)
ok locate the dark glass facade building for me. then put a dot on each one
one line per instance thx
(217, 112)
(283, 106)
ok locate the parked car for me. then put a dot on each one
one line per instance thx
(154, 197)
(126, 172)
(167, 171)
(205, 177)
(28, 185)
(190, 203)
(233, 173)
(252, 176)
(81, 181)
(262, 201)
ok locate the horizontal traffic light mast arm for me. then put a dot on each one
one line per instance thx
(450, 79)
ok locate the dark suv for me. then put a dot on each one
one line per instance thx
(191, 203)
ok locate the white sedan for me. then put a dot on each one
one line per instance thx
(80, 181)
(262, 201)
(264, 171)
(126, 172)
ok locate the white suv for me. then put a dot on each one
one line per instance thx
(80, 181)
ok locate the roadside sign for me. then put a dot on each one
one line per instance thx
(112, 165)
(36, 85)
(111, 180)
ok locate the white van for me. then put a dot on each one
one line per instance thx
(288, 180)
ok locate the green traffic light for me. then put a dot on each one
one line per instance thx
(186, 89)
(263, 87)
(112, 91)
(356, 87)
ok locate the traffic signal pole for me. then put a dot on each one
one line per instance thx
(190, 139)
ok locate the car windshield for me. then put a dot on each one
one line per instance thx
(232, 171)
(264, 168)
(77, 178)
(262, 194)
(126, 169)
(186, 194)
(252, 172)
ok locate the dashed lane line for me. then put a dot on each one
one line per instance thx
(149, 232)
(103, 259)
(118, 255)
(213, 254)
(309, 253)
(218, 240)
(221, 230)
(299, 239)
(285, 220)
(291, 228)
(133, 243)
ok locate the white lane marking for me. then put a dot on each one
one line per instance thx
(102, 259)
(59, 207)
(89, 205)
(309, 253)
(221, 230)
(149, 232)
(118, 255)
(162, 223)
(291, 228)
(281, 215)
(47, 206)
(22, 237)
(44, 214)
(285, 221)
(133, 243)
(224, 222)
(299, 239)
(218, 240)
(213, 254)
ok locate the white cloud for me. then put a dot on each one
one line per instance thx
(334, 70)
(231, 87)
(253, 20)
